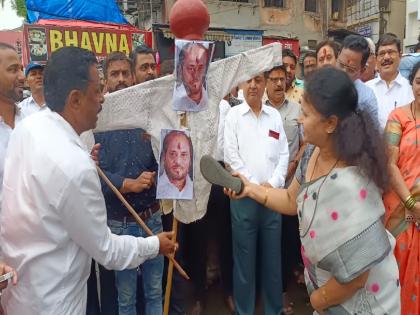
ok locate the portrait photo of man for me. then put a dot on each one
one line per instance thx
(175, 179)
(192, 59)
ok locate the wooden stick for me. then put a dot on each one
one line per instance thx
(170, 269)
(183, 122)
(138, 219)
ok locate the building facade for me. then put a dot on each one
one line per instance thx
(412, 28)
(308, 21)
(372, 18)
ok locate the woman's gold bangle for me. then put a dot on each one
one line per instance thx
(410, 202)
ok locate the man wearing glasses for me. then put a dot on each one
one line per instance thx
(352, 59)
(392, 90)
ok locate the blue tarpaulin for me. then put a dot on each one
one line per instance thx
(92, 10)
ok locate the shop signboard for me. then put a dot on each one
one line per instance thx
(42, 40)
(242, 40)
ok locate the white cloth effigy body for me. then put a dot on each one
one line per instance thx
(149, 106)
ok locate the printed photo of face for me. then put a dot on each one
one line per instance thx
(191, 62)
(175, 179)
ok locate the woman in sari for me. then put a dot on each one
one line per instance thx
(336, 192)
(402, 211)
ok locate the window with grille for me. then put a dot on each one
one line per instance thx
(336, 7)
(311, 6)
(274, 3)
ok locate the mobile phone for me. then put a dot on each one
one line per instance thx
(6, 276)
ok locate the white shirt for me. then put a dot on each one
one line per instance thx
(398, 94)
(5, 132)
(28, 106)
(182, 102)
(166, 190)
(54, 220)
(224, 108)
(256, 147)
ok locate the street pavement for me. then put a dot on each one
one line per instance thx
(216, 306)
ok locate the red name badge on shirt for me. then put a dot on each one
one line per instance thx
(274, 134)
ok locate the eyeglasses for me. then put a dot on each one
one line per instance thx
(390, 52)
(146, 66)
(350, 70)
(277, 80)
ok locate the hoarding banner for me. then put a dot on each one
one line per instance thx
(42, 40)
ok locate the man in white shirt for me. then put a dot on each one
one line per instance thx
(34, 74)
(11, 91)
(392, 90)
(54, 218)
(177, 158)
(256, 147)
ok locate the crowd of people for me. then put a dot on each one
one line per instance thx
(329, 166)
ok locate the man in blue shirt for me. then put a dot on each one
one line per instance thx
(352, 59)
(127, 159)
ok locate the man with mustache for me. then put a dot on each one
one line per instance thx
(190, 93)
(177, 157)
(34, 74)
(293, 92)
(53, 191)
(127, 159)
(391, 89)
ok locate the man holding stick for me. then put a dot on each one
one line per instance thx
(52, 189)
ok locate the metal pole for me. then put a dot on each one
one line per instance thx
(151, 13)
(138, 13)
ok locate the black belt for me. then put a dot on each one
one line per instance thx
(145, 214)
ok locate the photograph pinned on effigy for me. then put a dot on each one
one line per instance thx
(192, 60)
(176, 165)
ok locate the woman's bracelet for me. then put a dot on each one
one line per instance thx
(410, 202)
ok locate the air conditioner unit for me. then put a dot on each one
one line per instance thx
(336, 16)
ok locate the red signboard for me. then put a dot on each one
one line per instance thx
(292, 44)
(40, 40)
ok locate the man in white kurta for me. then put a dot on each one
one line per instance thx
(53, 219)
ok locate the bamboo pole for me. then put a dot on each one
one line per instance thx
(184, 123)
(168, 289)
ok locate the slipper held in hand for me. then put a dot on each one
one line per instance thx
(216, 174)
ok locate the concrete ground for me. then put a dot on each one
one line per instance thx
(216, 305)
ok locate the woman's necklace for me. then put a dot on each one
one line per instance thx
(413, 112)
(316, 197)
